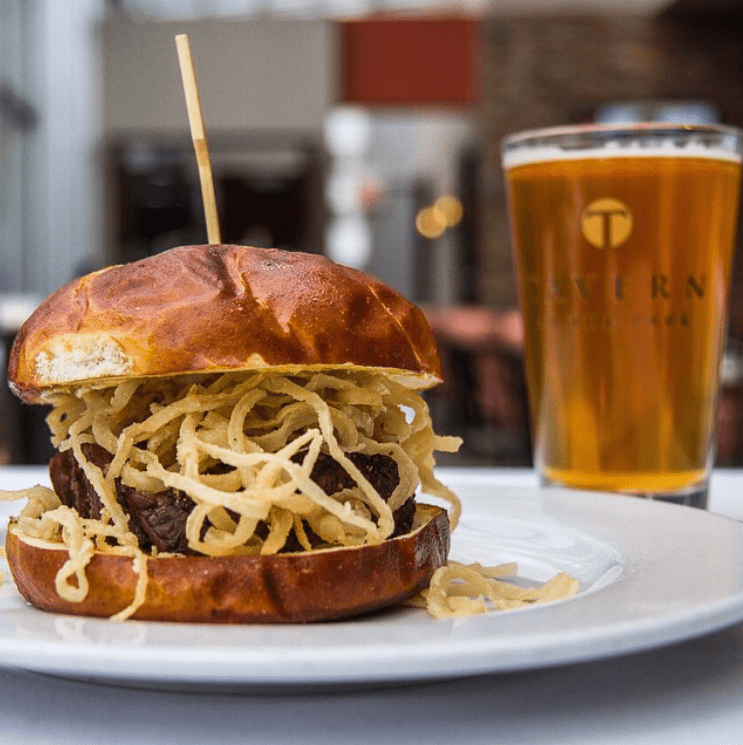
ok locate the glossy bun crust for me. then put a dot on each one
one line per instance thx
(215, 308)
(284, 588)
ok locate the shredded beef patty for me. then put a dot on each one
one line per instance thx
(159, 519)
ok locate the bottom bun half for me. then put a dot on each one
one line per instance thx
(282, 588)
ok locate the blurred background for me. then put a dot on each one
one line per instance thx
(367, 130)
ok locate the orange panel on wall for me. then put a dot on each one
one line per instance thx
(406, 62)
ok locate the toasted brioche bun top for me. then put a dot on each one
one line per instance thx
(217, 308)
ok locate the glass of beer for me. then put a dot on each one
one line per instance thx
(623, 239)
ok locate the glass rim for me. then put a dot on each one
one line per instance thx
(582, 138)
(602, 130)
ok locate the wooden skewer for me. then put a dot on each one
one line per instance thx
(198, 135)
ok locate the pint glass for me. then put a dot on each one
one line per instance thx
(623, 241)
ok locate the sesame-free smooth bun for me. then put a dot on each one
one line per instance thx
(282, 588)
(212, 308)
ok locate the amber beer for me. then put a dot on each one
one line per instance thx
(624, 246)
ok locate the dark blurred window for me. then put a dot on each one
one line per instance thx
(268, 195)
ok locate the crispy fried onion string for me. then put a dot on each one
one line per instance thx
(463, 590)
(242, 446)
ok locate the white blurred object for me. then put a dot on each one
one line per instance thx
(306, 8)
(348, 132)
(353, 188)
(349, 241)
(348, 137)
(344, 190)
(15, 308)
(679, 112)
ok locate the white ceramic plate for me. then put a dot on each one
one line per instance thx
(651, 574)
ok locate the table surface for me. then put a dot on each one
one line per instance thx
(686, 693)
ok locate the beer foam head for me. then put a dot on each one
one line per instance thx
(627, 141)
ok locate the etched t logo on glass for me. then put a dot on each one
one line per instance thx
(606, 223)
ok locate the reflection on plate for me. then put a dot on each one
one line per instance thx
(648, 578)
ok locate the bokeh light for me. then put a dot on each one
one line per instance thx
(429, 223)
(446, 212)
(449, 209)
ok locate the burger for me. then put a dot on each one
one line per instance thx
(240, 437)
